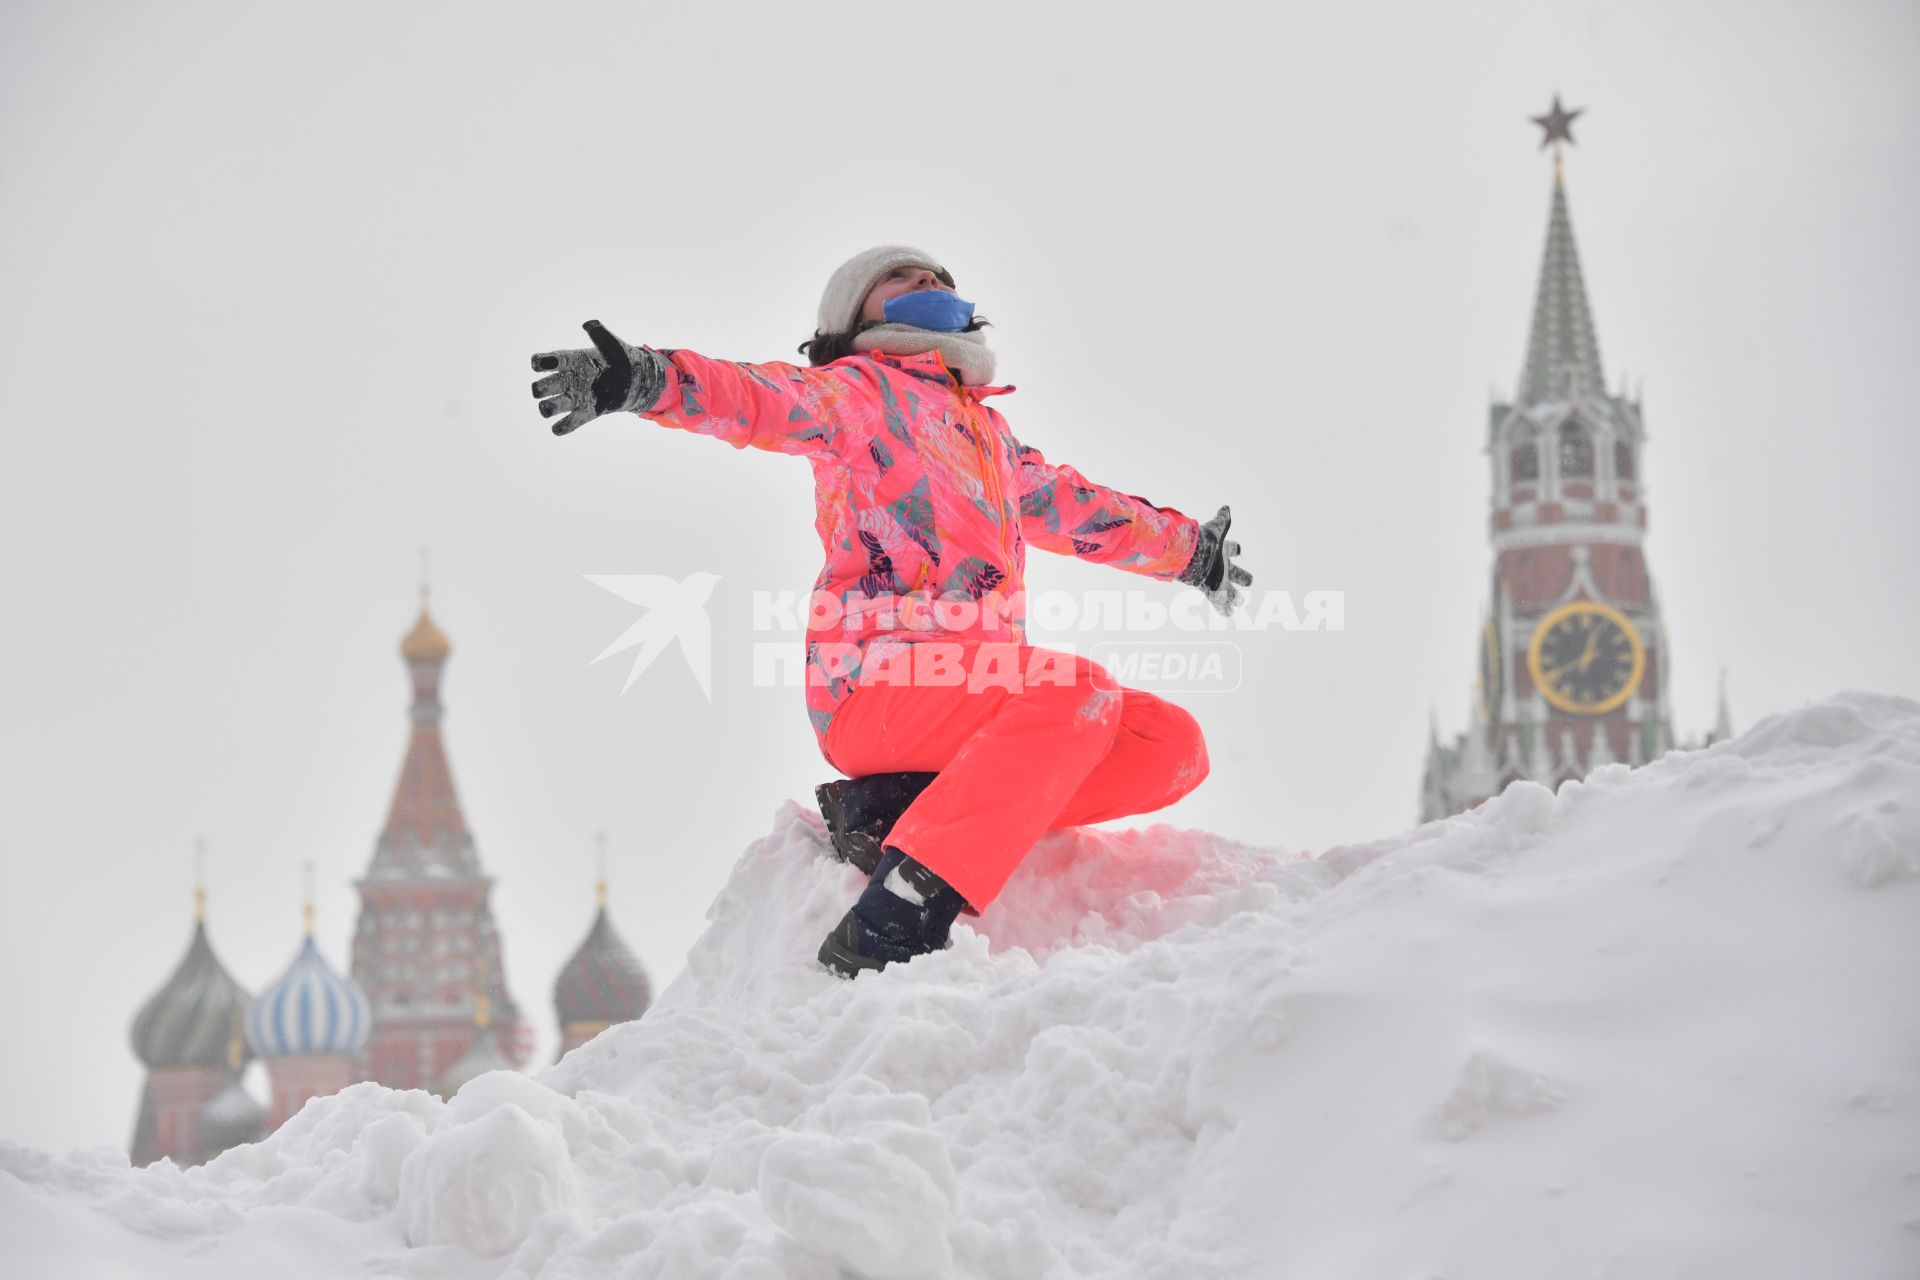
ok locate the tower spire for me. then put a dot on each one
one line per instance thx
(600, 884)
(426, 830)
(425, 890)
(1563, 353)
(199, 879)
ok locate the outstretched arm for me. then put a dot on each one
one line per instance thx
(1064, 512)
(775, 406)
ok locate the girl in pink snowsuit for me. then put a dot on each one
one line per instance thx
(916, 655)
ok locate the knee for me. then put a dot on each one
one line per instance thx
(1187, 750)
(1098, 706)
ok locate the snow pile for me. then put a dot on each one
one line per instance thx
(1664, 1023)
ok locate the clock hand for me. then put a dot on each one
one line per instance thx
(1593, 648)
(1552, 674)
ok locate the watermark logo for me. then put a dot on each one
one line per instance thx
(1170, 666)
(1137, 638)
(675, 611)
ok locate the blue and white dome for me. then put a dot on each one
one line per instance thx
(311, 1011)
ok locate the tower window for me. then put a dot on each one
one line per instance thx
(1623, 461)
(1525, 463)
(1576, 453)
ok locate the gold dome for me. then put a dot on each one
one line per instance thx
(426, 642)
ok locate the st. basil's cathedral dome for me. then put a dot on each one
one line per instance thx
(312, 1010)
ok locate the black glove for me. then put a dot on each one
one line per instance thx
(611, 377)
(1212, 568)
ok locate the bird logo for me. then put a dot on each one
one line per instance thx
(674, 611)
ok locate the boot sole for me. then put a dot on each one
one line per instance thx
(844, 962)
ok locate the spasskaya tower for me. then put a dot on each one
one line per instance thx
(1574, 665)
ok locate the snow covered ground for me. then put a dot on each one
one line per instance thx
(1665, 1023)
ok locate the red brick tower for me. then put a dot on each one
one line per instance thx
(426, 946)
(1573, 653)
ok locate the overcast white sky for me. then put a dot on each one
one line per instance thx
(270, 274)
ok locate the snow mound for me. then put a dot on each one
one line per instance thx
(1665, 1022)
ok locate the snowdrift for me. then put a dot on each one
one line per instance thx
(1663, 1023)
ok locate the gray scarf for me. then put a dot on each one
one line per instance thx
(967, 353)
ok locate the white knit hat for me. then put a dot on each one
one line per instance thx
(849, 286)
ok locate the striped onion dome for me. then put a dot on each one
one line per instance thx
(603, 982)
(189, 1021)
(312, 1010)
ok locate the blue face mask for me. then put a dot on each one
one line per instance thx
(934, 309)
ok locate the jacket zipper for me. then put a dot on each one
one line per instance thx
(990, 473)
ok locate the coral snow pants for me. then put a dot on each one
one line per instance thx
(1060, 746)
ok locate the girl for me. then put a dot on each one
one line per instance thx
(916, 657)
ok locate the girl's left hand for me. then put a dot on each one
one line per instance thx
(1212, 568)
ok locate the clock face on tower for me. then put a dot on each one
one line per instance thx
(1586, 658)
(1492, 670)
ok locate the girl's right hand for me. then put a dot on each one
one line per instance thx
(609, 377)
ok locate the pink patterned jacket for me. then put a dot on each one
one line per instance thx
(925, 503)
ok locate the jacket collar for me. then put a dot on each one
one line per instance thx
(931, 366)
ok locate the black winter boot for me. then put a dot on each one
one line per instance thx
(906, 911)
(860, 812)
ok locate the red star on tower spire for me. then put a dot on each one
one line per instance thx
(1558, 123)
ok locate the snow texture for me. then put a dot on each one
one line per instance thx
(1663, 1023)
